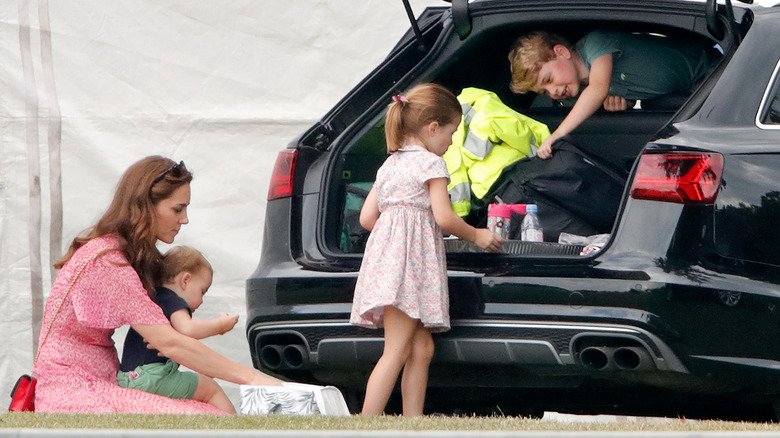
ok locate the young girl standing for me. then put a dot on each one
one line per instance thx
(402, 285)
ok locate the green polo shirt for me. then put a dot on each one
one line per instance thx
(645, 65)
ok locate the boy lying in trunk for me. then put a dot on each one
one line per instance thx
(609, 69)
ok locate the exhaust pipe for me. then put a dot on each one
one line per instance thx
(271, 356)
(633, 358)
(294, 356)
(597, 358)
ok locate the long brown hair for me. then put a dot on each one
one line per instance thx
(131, 216)
(423, 104)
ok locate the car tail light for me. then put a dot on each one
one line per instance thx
(681, 177)
(283, 175)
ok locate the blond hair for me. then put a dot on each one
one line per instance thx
(528, 54)
(422, 105)
(184, 259)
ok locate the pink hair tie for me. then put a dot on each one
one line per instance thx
(400, 98)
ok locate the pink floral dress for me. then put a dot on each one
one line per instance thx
(404, 264)
(78, 362)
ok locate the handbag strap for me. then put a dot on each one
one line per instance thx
(64, 296)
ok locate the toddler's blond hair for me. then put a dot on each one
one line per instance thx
(184, 259)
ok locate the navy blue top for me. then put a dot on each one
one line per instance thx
(135, 353)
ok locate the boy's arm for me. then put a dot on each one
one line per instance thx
(202, 328)
(591, 98)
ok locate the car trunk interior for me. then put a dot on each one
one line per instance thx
(612, 138)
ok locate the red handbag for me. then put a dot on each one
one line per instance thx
(23, 394)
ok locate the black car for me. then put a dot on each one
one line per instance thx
(677, 314)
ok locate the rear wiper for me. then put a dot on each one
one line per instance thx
(460, 18)
(415, 27)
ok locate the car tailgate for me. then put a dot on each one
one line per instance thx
(747, 212)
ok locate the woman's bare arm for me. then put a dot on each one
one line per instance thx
(194, 355)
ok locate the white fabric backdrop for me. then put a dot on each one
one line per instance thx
(223, 85)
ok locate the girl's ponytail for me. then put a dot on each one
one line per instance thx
(394, 123)
(423, 104)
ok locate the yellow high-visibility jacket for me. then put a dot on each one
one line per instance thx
(490, 137)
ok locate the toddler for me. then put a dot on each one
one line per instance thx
(188, 276)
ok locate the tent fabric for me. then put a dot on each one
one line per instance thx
(89, 87)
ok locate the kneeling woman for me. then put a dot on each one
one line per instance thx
(105, 282)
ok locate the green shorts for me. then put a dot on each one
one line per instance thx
(160, 378)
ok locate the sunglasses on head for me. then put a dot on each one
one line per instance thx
(176, 171)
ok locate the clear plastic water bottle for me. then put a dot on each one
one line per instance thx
(531, 229)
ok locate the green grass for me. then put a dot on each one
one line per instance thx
(494, 423)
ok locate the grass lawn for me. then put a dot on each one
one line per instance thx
(494, 423)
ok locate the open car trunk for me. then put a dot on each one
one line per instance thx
(609, 142)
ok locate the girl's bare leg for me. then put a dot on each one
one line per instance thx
(415, 378)
(210, 392)
(399, 333)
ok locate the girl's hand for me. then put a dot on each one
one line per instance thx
(454, 224)
(487, 239)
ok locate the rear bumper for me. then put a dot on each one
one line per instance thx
(334, 344)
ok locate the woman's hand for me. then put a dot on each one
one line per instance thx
(262, 379)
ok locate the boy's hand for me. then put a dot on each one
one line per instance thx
(226, 322)
(545, 150)
(487, 239)
(617, 103)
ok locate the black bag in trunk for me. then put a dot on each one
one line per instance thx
(575, 192)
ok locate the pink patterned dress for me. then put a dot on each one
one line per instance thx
(78, 363)
(404, 264)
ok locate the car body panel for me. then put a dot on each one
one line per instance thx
(749, 203)
(678, 290)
